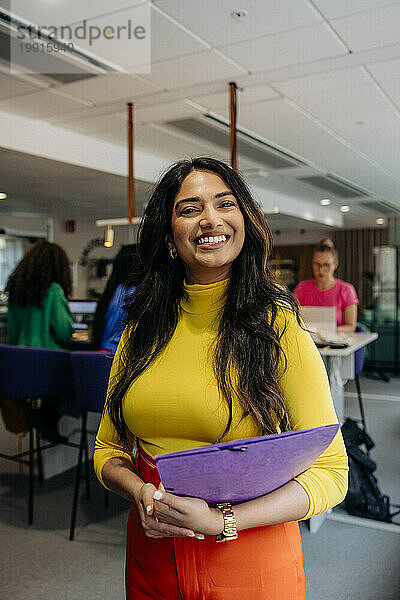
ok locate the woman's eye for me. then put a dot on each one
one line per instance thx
(227, 203)
(188, 210)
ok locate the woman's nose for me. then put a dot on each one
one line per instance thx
(210, 218)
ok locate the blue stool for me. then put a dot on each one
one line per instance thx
(26, 375)
(91, 371)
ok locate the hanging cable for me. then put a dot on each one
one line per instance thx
(233, 143)
(131, 182)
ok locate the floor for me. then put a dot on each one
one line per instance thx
(343, 561)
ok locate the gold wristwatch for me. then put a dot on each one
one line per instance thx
(230, 531)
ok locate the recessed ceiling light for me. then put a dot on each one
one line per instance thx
(380, 221)
(345, 208)
(325, 202)
(3, 196)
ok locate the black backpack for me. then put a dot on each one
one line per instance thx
(364, 498)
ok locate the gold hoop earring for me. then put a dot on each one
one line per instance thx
(172, 254)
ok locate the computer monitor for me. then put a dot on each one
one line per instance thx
(319, 318)
(82, 312)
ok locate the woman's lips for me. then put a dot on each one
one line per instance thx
(207, 246)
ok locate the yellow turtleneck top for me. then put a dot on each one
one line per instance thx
(176, 405)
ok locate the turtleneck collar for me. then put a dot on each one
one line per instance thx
(204, 298)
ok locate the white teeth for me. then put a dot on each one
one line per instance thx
(216, 239)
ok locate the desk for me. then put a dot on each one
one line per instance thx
(340, 368)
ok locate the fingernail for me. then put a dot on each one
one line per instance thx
(191, 534)
(157, 495)
(200, 537)
(148, 509)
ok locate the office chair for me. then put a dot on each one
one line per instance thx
(91, 371)
(26, 375)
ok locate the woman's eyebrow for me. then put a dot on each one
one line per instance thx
(197, 199)
(193, 199)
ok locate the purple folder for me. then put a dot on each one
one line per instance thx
(243, 469)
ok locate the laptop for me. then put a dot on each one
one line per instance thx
(321, 322)
(82, 313)
(320, 318)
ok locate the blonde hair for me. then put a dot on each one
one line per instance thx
(326, 245)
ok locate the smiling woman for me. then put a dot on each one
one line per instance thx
(207, 227)
(213, 352)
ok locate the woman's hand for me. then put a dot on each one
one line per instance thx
(191, 513)
(157, 525)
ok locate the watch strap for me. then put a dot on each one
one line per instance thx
(229, 532)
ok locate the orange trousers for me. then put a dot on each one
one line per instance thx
(264, 563)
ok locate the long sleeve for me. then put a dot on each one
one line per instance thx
(61, 321)
(305, 388)
(12, 327)
(107, 443)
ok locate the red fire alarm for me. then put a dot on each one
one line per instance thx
(70, 226)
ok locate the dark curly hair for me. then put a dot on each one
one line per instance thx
(125, 270)
(41, 265)
(247, 352)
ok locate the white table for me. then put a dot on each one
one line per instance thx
(340, 368)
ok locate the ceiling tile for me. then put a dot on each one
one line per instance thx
(148, 139)
(164, 112)
(392, 88)
(87, 112)
(247, 96)
(345, 101)
(388, 69)
(112, 129)
(371, 29)
(212, 20)
(169, 41)
(340, 8)
(12, 86)
(292, 47)
(106, 88)
(63, 13)
(124, 51)
(38, 105)
(191, 70)
(375, 123)
(276, 121)
(322, 82)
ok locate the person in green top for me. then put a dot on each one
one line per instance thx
(38, 312)
(39, 315)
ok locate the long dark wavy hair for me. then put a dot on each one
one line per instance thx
(247, 353)
(42, 264)
(125, 271)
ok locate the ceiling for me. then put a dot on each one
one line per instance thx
(39, 186)
(319, 84)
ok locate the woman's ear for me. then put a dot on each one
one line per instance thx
(170, 242)
(171, 247)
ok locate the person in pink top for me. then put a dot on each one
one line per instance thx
(325, 290)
